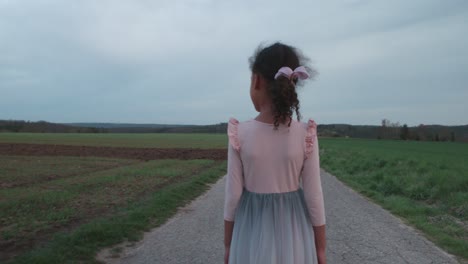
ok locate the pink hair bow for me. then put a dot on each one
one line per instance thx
(287, 72)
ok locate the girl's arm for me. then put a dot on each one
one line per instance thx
(234, 184)
(228, 227)
(320, 243)
(233, 191)
(313, 191)
(235, 173)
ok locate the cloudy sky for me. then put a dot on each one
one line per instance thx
(185, 62)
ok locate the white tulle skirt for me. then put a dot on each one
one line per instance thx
(272, 228)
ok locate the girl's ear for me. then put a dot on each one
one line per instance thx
(257, 81)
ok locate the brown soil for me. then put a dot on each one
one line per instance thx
(111, 152)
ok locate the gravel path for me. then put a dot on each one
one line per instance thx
(358, 231)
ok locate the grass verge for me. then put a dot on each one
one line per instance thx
(425, 183)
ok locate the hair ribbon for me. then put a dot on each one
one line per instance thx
(300, 72)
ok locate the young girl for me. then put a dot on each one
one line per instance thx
(268, 217)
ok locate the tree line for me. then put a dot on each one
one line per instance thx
(387, 129)
(421, 132)
(48, 127)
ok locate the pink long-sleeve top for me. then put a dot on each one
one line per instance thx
(264, 160)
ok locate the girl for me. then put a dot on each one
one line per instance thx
(268, 217)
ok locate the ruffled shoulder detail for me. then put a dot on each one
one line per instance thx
(233, 135)
(311, 133)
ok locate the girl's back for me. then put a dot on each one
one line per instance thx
(272, 160)
(264, 160)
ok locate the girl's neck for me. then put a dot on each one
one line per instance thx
(265, 112)
(266, 117)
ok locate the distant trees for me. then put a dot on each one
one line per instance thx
(44, 127)
(404, 132)
(421, 133)
(389, 130)
(393, 130)
(444, 134)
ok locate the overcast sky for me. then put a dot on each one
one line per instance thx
(185, 62)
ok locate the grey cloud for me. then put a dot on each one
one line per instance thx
(186, 61)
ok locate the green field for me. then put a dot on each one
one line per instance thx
(425, 183)
(143, 140)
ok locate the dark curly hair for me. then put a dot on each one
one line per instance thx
(266, 61)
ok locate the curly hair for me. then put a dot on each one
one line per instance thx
(266, 61)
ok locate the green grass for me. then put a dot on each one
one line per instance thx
(147, 140)
(101, 208)
(425, 183)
